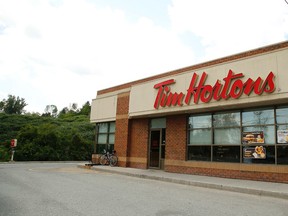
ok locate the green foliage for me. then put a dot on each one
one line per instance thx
(74, 111)
(4, 153)
(46, 138)
(86, 109)
(50, 110)
(67, 135)
(13, 105)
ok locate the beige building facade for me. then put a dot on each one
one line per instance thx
(227, 117)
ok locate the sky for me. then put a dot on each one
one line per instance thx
(60, 52)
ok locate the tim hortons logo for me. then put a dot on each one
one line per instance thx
(232, 87)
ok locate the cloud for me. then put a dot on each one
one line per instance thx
(226, 27)
(60, 52)
(63, 51)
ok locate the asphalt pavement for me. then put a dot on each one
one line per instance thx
(277, 190)
(50, 188)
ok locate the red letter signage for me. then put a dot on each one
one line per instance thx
(232, 87)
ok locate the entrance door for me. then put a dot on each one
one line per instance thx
(155, 138)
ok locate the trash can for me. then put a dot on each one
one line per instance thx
(96, 158)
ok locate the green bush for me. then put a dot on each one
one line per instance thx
(46, 138)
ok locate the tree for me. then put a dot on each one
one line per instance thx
(63, 112)
(13, 105)
(73, 108)
(71, 111)
(69, 136)
(86, 109)
(50, 110)
(2, 106)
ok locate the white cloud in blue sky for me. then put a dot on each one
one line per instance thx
(63, 51)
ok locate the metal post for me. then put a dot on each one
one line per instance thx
(12, 155)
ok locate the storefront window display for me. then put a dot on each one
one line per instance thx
(246, 136)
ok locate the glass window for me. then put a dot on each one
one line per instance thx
(111, 138)
(105, 137)
(162, 151)
(227, 136)
(102, 138)
(100, 148)
(282, 154)
(226, 119)
(103, 128)
(200, 121)
(201, 136)
(163, 142)
(230, 133)
(282, 127)
(110, 147)
(158, 123)
(258, 117)
(282, 116)
(201, 153)
(112, 127)
(226, 153)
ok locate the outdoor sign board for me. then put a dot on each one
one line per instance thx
(252, 137)
(232, 86)
(282, 136)
(13, 143)
(258, 152)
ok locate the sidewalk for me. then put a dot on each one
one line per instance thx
(277, 190)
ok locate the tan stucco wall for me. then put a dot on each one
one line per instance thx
(104, 107)
(142, 96)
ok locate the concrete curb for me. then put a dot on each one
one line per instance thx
(245, 190)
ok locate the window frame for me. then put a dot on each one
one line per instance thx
(273, 144)
(107, 145)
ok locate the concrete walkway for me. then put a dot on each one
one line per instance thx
(277, 190)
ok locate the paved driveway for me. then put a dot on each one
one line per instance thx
(29, 189)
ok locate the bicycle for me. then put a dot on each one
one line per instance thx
(108, 158)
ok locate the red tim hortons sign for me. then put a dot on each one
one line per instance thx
(232, 87)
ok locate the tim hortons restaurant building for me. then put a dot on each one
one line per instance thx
(226, 118)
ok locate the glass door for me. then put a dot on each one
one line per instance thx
(155, 138)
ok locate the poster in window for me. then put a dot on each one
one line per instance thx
(253, 137)
(282, 136)
(258, 152)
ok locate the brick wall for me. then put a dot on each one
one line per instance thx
(139, 138)
(131, 136)
(176, 137)
(226, 173)
(175, 161)
(122, 128)
(133, 150)
(138, 145)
